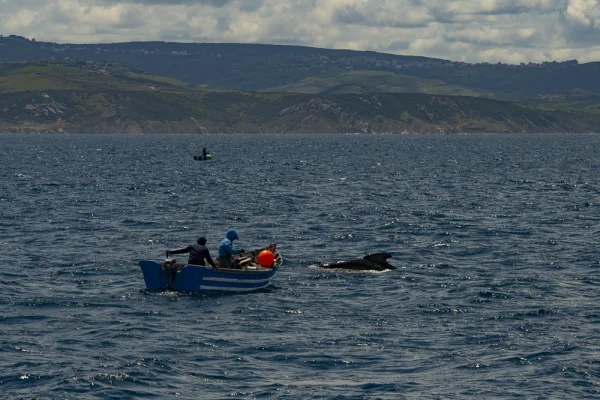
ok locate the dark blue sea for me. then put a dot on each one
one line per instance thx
(495, 239)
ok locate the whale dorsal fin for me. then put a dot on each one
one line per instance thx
(378, 257)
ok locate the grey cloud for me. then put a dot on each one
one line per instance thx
(396, 47)
(59, 17)
(379, 17)
(456, 10)
(175, 34)
(130, 19)
(581, 36)
(348, 15)
(250, 5)
(222, 23)
(212, 3)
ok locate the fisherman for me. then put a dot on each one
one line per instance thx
(204, 153)
(198, 253)
(226, 250)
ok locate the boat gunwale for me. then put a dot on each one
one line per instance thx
(231, 270)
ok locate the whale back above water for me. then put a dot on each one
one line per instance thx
(380, 258)
(371, 262)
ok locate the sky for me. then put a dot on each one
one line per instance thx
(509, 31)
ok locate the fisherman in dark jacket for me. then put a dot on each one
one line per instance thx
(198, 253)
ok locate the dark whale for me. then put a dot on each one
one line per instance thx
(372, 262)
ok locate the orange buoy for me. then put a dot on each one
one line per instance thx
(266, 258)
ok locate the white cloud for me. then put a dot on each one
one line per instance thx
(20, 20)
(466, 30)
(584, 12)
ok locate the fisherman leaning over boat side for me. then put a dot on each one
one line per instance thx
(226, 250)
(198, 253)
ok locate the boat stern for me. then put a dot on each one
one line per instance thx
(154, 276)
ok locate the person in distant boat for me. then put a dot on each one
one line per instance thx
(199, 253)
(203, 157)
(226, 250)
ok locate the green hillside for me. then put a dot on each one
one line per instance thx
(20, 77)
(108, 98)
(573, 101)
(518, 83)
(366, 81)
(271, 68)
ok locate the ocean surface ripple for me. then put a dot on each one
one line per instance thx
(495, 238)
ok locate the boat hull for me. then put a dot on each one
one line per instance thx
(198, 278)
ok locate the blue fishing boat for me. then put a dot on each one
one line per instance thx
(248, 274)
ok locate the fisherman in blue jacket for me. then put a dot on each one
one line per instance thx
(226, 249)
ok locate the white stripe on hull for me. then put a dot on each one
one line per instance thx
(231, 289)
(215, 279)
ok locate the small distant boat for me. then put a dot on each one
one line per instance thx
(207, 157)
(248, 276)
